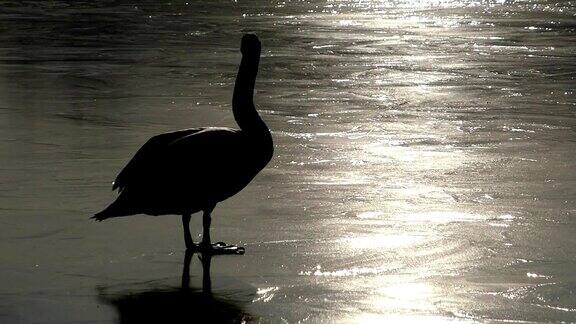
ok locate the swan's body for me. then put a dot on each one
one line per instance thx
(192, 170)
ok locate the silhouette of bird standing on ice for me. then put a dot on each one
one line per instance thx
(191, 170)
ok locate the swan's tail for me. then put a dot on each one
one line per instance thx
(100, 216)
(108, 212)
(116, 209)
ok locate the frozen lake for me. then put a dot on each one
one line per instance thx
(424, 166)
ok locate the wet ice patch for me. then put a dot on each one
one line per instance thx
(442, 217)
(369, 214)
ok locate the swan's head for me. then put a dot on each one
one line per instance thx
(250, 45)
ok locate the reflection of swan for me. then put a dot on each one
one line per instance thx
(192, 170)
(178, 305)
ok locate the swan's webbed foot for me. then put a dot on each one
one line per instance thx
(218, 248)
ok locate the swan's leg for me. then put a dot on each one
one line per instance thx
(219, 247)
(187, 236)
(206, 221)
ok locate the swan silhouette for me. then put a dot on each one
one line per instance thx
(191, 170)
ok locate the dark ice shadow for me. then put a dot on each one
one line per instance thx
(178, 304)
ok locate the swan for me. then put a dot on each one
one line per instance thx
(192, 170)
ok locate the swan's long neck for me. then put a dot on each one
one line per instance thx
(243, 107)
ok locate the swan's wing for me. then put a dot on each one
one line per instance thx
(147, 156)
(206, 162)
(208, 148)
